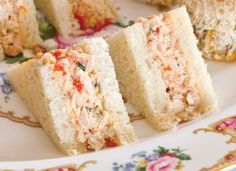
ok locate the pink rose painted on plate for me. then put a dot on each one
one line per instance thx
(160, 159)
(227, 124)
(165, 163)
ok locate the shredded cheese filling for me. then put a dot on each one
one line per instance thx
(165, 49)
(92, 14)
(82, 88)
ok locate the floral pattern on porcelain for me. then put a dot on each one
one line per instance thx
(225, 126)
(161, 159)
(6, 87)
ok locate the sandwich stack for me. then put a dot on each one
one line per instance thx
(74, 95)
(161, 70)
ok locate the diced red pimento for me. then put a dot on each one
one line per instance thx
(110, 142)
(69, 94)
(59, 67)
(78, 85)
(58, 55)
(81, 20)
(99, 26)
(167, 68)
(83, 24)
(158, 30)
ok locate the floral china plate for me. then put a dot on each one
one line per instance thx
(208, 144)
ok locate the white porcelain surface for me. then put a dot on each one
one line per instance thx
(22, 146)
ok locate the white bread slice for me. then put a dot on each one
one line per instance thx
(60, 14)
(2, 55)
(28, 24)
(141, 82)
(43, 96)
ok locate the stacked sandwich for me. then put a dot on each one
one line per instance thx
(75, 96)
(24, 23)
(161, 71)
(214, 25)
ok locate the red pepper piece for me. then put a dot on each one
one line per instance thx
(78, 84)
(110, 142)
(167, 68)
(158, 30)
(100, 25)
(81, 20)
(59, 67)
(58, 55)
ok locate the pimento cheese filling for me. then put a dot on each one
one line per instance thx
(81, 87)
(92, 14)
(10, 37)
(168, 56)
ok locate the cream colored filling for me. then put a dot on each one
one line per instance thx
(165, 49)
(81, 87)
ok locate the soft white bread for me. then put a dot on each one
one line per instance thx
(60, 14)
(43, 96)
(2, 55)
(140, 82)
(140, 79)
(28, 24)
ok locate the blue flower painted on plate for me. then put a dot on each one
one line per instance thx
(152, 157)
(139, 154)
(5, 85)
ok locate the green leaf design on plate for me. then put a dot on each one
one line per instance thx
(180, 154)
(161, 150)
